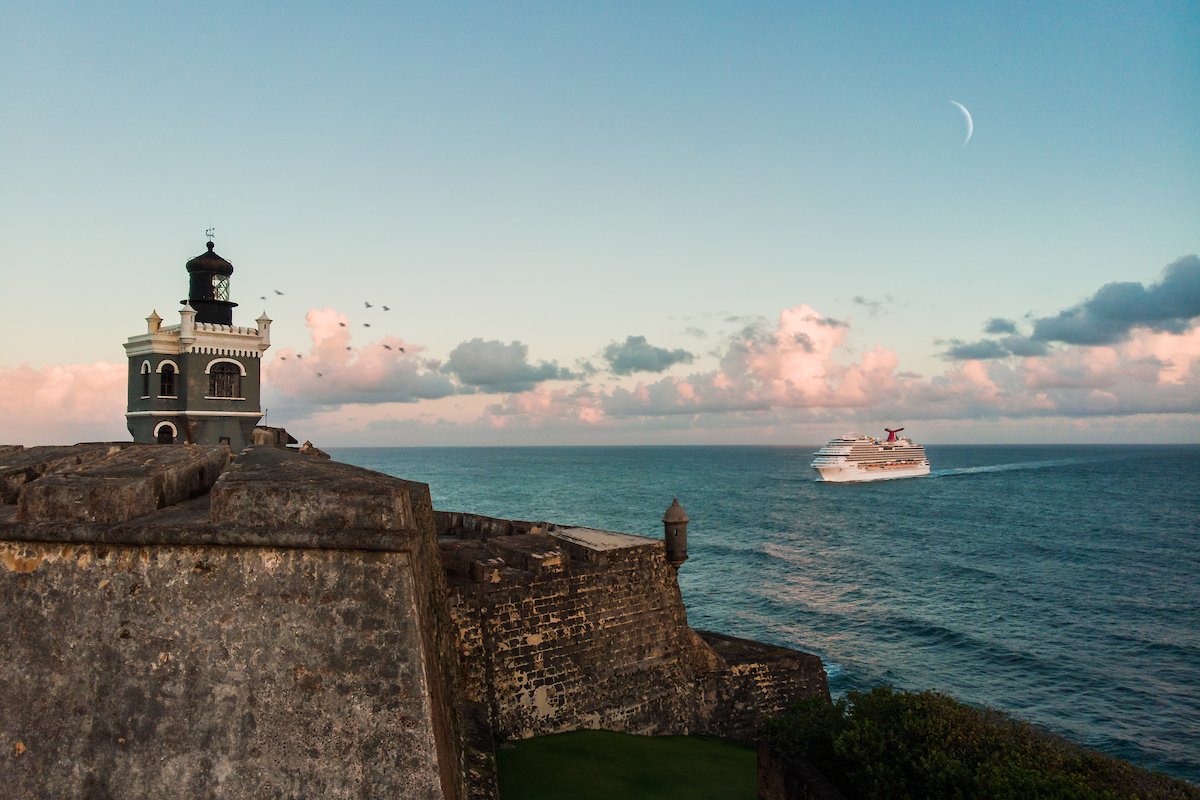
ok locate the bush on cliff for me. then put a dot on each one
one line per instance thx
(890, 744)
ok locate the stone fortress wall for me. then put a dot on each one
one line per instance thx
(562, 628)
(177, 624)
(174, 627)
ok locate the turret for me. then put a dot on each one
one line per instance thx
(675, 522)
(264, 329)
(187, 325)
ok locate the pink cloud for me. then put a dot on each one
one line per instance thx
(337, 369)
(794, 366)
(63, 404)
(1178, 354)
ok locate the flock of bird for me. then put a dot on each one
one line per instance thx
(366, 304)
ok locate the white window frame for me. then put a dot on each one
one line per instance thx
(208, 369)
(159, 370)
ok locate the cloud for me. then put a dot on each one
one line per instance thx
(873, 307)
(1115, 309)
(998, 325)
(635, 354)
(338, 370)
(831, 322)
(1014, 345)
(492, 366)
(63, 404)
(1110, 316)
(985, 348)
(795, 364)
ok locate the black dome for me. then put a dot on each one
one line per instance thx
(210, 262)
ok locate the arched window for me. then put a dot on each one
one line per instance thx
(224, 380)
(166, 381)
(145, 379)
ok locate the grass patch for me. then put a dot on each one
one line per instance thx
(600, 765)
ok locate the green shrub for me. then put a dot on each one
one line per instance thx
(926, 746)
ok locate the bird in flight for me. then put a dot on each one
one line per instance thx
(319, 374)
(283, 358)
(401, 349)
(347, 348)
(387, 347)
(368, 305)
(385, 308)
(366, 324)
(277, 291)
(298, 355)
(264, 297)
(341, 324)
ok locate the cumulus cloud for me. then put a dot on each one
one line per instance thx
(1015, 345)
(984, 348)
(803, 371)
(796, 364)
(1109, 316)
(998, 325)
(492, 366)
(635, 354)
(1115, 309)
(338, 370)
(63, 404)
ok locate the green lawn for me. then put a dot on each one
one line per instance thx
(601, 765)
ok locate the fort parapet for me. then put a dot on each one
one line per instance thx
(179, 622)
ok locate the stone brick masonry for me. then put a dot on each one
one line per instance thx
(567, 628)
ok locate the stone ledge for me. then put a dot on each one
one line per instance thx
(269, 487)
(20, 465)
(748, 651)
(132, 482)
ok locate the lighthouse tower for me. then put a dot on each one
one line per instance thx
(197, 382)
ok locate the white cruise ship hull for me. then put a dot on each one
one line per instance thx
(856, 474)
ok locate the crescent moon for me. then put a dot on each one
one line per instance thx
(970, 122)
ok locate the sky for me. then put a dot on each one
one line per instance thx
(616, 223)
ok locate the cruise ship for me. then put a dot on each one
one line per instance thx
(864, 458)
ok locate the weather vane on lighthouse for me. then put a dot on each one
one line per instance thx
(209, 232)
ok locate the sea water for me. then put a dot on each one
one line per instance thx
(1060, 584)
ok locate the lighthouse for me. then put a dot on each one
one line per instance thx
(198, 381)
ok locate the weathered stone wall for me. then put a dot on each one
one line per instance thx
(568, 628)
(760, 680)
(224, 645)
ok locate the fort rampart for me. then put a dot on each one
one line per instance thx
(178, 623)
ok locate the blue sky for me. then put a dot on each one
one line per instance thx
(566, 176)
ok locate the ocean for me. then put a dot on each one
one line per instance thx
(1060, 584)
